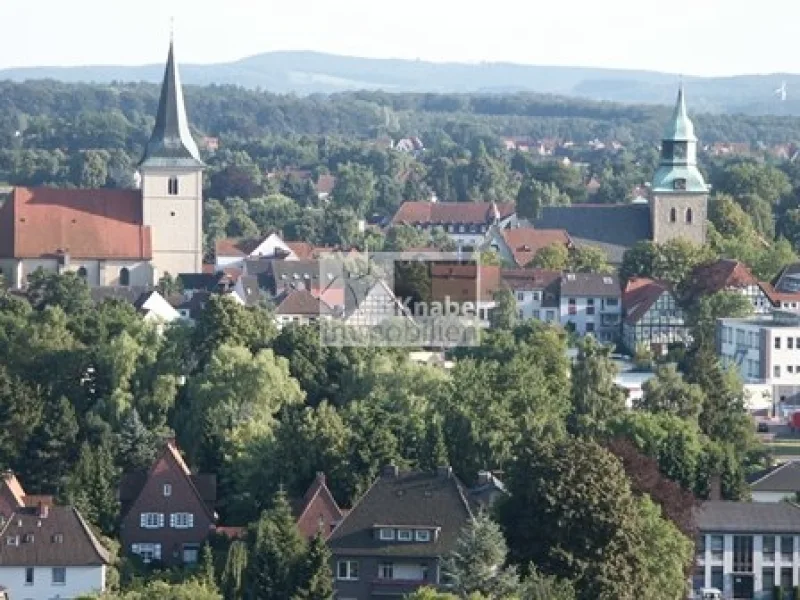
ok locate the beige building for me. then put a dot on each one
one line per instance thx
(116, 237)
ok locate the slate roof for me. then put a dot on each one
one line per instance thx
(785, 478)
(590, 284)
(100, 224)
(467, 213)
(787, 279)
(78, 545)
(748, 517)
(639, 295)
(534, 279)
(611, 227)
(406, 500)
(525, 242)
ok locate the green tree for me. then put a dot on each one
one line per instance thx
(207, 575)
(555, 257)
(402, 237)
(92, 487)
(587, 259)
(668, 392)
(51, 449)
(67, 291)
(235, 570)
(476, 563)
(504, 314)
(316, 577)
(596, 398)
(538, 586)
(355, 188)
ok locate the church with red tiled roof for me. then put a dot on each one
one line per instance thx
(116, 237)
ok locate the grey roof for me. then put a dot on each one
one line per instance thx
(680, 127)
(77, 545)
(611, 227)
(171, 143)
(788, 279)
(785, 478)
(590, 284)
(752, 517)
(249, 283)
(406, 500)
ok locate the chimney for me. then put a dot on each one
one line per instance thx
(321, 478)
(444, 471)
(43, 511)
(391, 471)
(715, 487)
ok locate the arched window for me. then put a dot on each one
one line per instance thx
(124, 276)
(673, 215)
(82, 272)
(689, 215)
(172, 186)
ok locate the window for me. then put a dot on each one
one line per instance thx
(777, 343)
(191, 552)
(347, 570)
(520, 296)
(776, 371)
(59, 575)
(590, 328)
(536, 296)
(689, 215)
(537, 314)
(152, 520)
(572, 309)
(147, 552)
(12, 540)
(673, 215)
(404, 535)
(124, 276)
(786, 578)
(787, 548)
(551, 315)
(181, 520)
(28, 538)
(386, 571)
(716, 547)
(386, 534)
(768, 549)
(612, 301)
(790, 343)
(790, 369)
(28, 575)
(167, 489)
(743, 553)
(699, 578)
(58, 538)
(83, 273)
(768, 579)
(717, 578)
(700, 547)
(590, 306)
(172, 186)
(422, 535)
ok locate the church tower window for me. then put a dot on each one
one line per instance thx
(673, 215)
(689, 215)
(172, 186)
(124, 276)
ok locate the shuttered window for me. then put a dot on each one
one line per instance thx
(151, 520)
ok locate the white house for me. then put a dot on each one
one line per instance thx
(50, 552)
(536, 292)
(155, 309)
(745, 549)
(232, 252)
(591, 303)
(300, 307)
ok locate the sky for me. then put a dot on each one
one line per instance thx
(689, 37)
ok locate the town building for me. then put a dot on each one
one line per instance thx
(318, 513)
(745, 549)
(652, 316)
(765, 349)
(167, 511)
(50, 552)
(536, 292)
(466, 223)
(726, 275)
(676, 207)
(777, 484)
(466, 283)
(117, 237)
(519, 245)
(300, 307)
(13, 496)
(591, 303)
(392, 541)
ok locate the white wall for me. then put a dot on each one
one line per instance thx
(80, 581)
(770, 496)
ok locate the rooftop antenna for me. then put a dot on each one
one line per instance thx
(171, 29)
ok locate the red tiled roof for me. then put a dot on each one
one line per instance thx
(303, 250)
(639, 295)
(231, 532)
(302, 302)
(460, 283)
(236, 246)
(527, 279)
(719, 275)
(43, 222)
(525, 242)
(325, 184)
(472, 213)
(777, 298)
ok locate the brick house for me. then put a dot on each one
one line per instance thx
(167, 512)
(13, 496)
(317, 511)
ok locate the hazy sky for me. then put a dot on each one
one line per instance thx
(693, 37)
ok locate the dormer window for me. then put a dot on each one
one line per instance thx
(679, 184)
(422, 535)
(172, 186)
(386, 534)
(404, 535)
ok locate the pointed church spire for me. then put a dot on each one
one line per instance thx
(680, 127)
(171, 142)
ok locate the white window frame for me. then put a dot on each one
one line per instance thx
(182, 520)
(190, 548)
(386, 571)
(59, 581)
(405, 535)
(167, 489)
(422, 535)
(385, 534)
(350, 572)
(147, 552)
(151, 520)
(32, 572)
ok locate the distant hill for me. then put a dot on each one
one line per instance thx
(315, 72)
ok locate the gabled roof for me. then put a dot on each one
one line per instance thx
(639, 295)
(544, 280)
(611, 227)
(788, 280)
(325, 184)
(467, 213)
(99, 224)
(464, 283)
(525, 242)
(719, 275)
(78, 546)
(317, 493)
(14, 487)
(413, 500)
(302, 302)
(590, 284)
(239, 247)
(777, 298)
(748, 517)
(785, 478)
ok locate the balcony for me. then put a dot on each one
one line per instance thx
(397, 587)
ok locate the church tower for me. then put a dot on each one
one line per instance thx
(172, 184)
(678, 194)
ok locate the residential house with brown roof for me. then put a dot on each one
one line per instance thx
(519, 245)
(117, 237)
(50, 552)
(465, 222)
(300, 307)
(466, 283)
(536, 292)
(167, 512)
(318, 512)
(13, 496)
(727, 275)
(392, 541)
(652, 316)
(591, 303)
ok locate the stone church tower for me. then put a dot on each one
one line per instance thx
(678, 194)
(172, 184)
